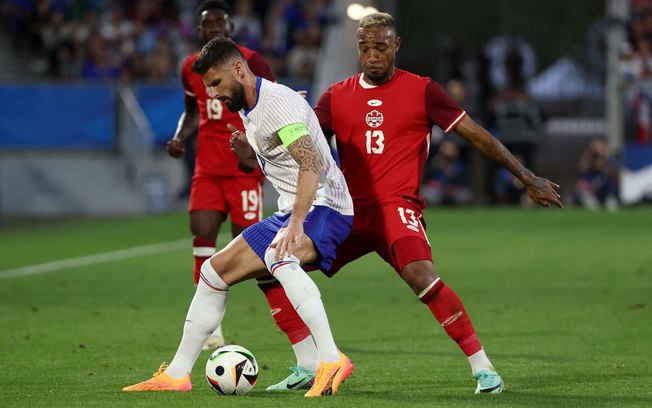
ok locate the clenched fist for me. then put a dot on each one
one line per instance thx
(176, 149)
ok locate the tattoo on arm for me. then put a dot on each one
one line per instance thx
(498, 152)
(492, 148)
(305, 153)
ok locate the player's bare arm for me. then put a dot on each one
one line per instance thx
(310, 169)
(304, 152)
(542, 191)
(187, 128)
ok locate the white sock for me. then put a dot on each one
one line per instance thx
(307, 354)
(204, 316)
(218, 331)
(306, 299)
(479, 362)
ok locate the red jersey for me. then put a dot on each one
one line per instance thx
(214, 156)
(383, 132)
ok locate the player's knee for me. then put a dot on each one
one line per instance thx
(203, 231)
(271, 262)
(419, 275)
(211, 276)
(205, 224)
(270, 256)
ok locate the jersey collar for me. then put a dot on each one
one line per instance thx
(259, 81)
(364, 84)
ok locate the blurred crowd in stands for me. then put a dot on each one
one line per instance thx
(491, 87)
(636, 65)
(128, 41)
(148, 39)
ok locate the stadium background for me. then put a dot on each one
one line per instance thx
(95, 250)
(82, 132)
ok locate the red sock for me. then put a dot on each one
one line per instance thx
(202, 249)
(285, 316)
(450, 313)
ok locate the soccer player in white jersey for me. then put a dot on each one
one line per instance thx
(315, 215)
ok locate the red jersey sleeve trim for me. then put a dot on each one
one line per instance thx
(455, 122)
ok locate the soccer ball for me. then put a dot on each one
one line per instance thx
(232, 370)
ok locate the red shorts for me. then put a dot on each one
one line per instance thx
(240, 197)
(393, 229)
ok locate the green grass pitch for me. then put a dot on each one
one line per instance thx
(561, 299)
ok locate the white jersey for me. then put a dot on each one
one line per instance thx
(278, 106)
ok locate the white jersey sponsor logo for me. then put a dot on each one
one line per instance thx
(374, 102)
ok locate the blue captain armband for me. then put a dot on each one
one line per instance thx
(291, 133)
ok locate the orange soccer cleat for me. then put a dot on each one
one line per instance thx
(162, 382)
(329, 377)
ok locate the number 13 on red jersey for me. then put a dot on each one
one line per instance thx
(375, 139)
(409, 218)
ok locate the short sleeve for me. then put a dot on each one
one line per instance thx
(441, 109)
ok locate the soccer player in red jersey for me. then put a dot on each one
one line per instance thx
(221, 184)
(381, 120)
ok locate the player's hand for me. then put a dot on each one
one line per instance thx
(247, 165)
(239, 145)
(544, 192)
(286, 241)
(176, 149)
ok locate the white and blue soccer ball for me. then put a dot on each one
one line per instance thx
(232, 370)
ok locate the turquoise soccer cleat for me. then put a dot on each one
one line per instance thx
(489, 383)
(300, 379)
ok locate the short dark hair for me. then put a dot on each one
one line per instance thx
(216, 52)
(213, 4)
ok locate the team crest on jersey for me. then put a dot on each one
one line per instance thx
(374, 118)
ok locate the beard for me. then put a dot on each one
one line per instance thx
(377, 77)
(237, 101)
